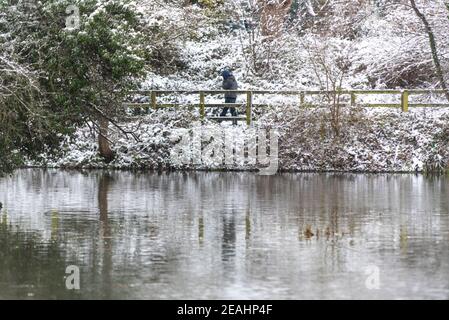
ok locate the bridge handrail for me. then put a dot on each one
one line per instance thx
(404, 104)
(292, 92)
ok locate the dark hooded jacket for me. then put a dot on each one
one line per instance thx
(229, 83)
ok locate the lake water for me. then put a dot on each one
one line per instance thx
(224, 235)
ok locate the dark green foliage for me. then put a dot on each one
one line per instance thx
(73, 75)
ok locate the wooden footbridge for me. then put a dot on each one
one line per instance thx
(346, 97)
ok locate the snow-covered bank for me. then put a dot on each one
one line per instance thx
(369, 141)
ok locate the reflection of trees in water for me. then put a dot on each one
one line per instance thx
(201, 229)
(229, 237)
(31, 266)
(128, 243)
(105, 232)
(31, 258)
(247, 226)
(151, 229)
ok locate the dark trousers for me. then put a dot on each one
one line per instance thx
(225, 109)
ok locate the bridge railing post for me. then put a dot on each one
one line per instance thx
(202, 105)
(153, 100)
(353, 98)
(249, 104)
(404, 101)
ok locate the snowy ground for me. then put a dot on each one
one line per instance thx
(371, 140)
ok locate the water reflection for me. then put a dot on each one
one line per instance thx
(223, 235)
(30, 266)
(105, 231)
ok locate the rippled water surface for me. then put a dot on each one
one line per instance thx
(224, 235)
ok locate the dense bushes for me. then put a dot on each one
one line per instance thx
(74, 73)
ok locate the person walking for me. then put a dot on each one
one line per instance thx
(229, 83)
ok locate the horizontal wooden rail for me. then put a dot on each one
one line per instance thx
(289, 92)
(248, 105)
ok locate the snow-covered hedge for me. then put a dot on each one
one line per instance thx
(370, 141)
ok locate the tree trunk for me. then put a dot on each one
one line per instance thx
(103, 143)
(433, 47)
